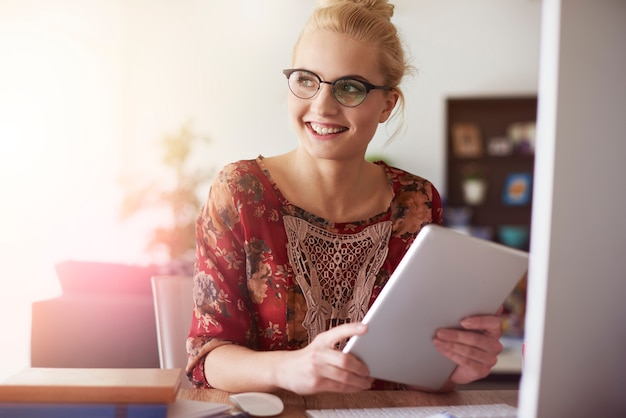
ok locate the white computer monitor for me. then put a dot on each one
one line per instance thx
(575, 363)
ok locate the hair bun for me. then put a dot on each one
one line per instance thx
(380, 7)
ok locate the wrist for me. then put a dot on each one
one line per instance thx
(278, 363)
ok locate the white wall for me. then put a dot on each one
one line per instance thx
(60, 81)
(219, 63)
(576, 357)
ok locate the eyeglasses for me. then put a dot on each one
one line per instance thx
(346, 90)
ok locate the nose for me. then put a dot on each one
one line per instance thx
(324, 101)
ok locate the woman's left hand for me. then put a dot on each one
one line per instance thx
(474, 348)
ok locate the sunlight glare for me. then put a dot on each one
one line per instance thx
(60, 129)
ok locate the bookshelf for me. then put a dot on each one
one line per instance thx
(489, 177)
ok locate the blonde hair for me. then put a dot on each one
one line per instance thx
(366, 21)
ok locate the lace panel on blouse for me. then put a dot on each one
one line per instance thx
(336, 272)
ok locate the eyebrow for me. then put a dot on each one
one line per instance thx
(354, 76)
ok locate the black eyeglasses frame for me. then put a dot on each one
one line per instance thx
(368, 86)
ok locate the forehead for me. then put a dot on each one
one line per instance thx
(332, 55)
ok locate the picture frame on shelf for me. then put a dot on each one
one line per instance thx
(522, 135)
(517, 189)
(467, 140)
(499, 146)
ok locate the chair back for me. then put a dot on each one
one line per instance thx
(173, 306)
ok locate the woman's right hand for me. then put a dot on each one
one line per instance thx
(320, 367)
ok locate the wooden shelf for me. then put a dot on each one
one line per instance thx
(493, 116)
(468, 151)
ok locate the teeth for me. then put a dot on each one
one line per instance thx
(324, 130)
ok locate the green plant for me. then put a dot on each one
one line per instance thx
(473, 172)
(378, 157)
(175, 193)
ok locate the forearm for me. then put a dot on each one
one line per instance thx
(234, 368)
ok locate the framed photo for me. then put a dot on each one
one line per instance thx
(517, 189)
(523, 134)
(466, 140)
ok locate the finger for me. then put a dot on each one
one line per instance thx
(337, 370)
(483, 351)
(349, 371)
(468, 370)
(347, 363)
(471, 359)
(332, 385)
(327, 342)
(487, 324)
(482, 341)
(472, 363)
(480, 322)
(340, 333)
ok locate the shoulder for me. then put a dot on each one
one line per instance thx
(244, 182)
(239, 176)
(416, 201)
(403, 181)
(238, 168)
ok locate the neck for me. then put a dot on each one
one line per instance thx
(336, 179)
(340, 191)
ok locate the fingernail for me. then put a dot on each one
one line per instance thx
(443, 333)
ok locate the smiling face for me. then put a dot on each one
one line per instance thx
(325, 128)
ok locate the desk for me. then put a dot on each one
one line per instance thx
(295, 405)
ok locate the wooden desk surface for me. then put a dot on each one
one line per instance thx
(295, 405)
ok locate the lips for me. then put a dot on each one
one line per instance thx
(326, 130)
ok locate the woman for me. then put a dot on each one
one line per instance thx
(293, 249)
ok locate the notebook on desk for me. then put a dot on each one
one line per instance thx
(444, 277)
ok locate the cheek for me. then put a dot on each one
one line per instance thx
(296, 108)
(368, 122)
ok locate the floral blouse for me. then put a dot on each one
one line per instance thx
(271, 276)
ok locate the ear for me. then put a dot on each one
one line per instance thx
(390, 103)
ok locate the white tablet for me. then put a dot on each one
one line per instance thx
(444, 277)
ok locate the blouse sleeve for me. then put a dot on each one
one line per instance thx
(437, 206)
(219, 286)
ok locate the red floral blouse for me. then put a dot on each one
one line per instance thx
(271, 276)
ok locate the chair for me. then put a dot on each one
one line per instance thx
(173, 309)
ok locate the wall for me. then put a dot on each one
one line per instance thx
(60, 80)
(219, 63)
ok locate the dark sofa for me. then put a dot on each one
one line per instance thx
(104, 318)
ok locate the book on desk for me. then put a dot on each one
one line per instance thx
(82, 410)
(76, 392)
